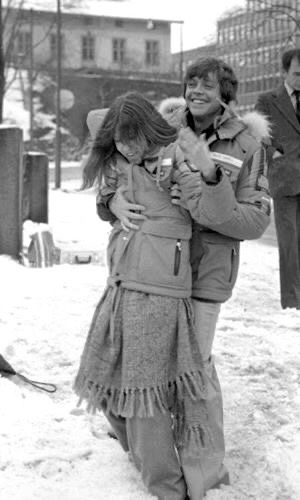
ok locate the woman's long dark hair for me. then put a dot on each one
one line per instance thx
(130, 117)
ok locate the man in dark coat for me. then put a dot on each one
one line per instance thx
(282, 106)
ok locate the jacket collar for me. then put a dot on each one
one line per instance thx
(225, 126)
(149, 163)
(283, 102)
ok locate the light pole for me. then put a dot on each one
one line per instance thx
(181, 54)
(297, 33)
(2, 62)
(31, 81)
(58, 110)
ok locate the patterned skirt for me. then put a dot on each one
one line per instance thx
(141, 356)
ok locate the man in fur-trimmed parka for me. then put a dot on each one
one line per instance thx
(235, 205)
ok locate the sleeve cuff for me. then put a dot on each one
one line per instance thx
(219, 175)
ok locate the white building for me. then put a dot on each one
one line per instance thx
(106, 35)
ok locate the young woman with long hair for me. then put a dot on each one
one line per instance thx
(141, 363)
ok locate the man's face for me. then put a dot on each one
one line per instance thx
(292, 76)
(202, 96)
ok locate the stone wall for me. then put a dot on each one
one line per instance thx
(98, 91)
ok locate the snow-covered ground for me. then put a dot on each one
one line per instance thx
(52, 450)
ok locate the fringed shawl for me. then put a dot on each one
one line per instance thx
(150, 362)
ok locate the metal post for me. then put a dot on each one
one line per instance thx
(58, 87)
(2, 65)
(181, 54)
(297, 20)
(35, 187)
(31, 81)
(11, 186)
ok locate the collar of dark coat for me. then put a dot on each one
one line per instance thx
(281, 96)
(282, 101)
(281, 92)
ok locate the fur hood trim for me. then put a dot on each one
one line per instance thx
(171, 104)
(172, 110)
(257, 124)
(95, 119)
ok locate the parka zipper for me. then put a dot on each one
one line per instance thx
(233, 254)
(177, 258)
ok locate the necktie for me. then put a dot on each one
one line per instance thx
(297, 95)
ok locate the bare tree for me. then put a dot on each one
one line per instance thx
(11, 61)
(262, 11)
(7, 37)
(2, 64)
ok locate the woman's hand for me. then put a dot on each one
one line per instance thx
(125, 210)
(196, 151)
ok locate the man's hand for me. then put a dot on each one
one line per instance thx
(196, 151)
(124, 210)
(176, 194)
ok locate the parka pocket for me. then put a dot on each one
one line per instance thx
(165, 256)
(217, 268)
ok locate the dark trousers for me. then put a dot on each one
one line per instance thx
(287, 222)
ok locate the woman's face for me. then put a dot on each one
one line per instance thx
(133, 150)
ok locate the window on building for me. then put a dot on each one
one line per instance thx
(231, 33)
(22, 46)
(119, 49)
(250, 86)
(259, 56)
(119, 23)
(237, 33)
(88, 48)
(259, 30)
(88, 21)
(152, 53)
(53, 45)
(242, 60)
(243, 31)
(259, 85)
